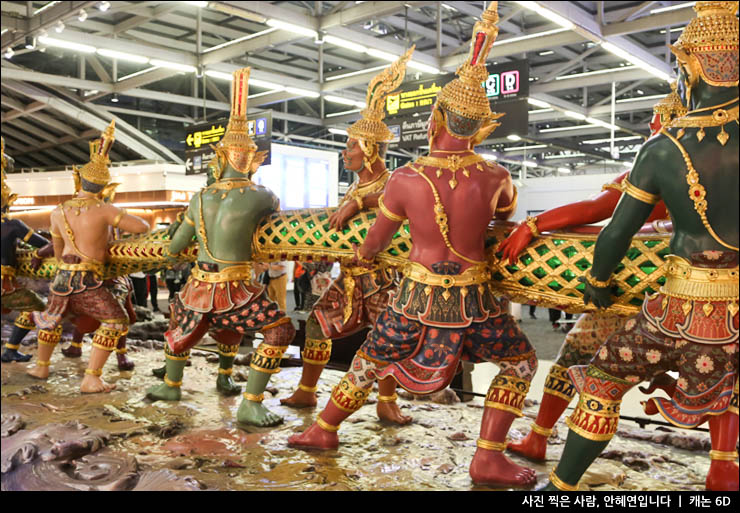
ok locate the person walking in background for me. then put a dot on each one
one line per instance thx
(139, 281)
(277, 288)
(298, 271)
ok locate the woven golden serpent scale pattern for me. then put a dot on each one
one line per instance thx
(546, 273)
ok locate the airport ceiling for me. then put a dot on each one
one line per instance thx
(62, 80)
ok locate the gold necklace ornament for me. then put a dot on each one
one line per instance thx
(357, 191)
(229, 184)
(454, 163)
(697, 192)
(720, 117)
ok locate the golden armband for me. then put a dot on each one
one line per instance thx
(387, 213)
(639, 194)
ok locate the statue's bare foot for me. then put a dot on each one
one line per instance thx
(300, 399)
(722, 476)
(13, 355)
(390, 412)
(495, 469)
(314, 438)
(72, 351)
(163, 392)
(39, 371)
(255, 414)
(226, 386)
(94, 385)
(160, 372)
(533, 447)
(124, 362)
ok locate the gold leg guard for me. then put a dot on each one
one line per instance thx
(507, 393)
(317, 351)
(106, 338)
(559, 384)
(267, 358)
(50, 338)
(595, 418)
(348, 397)
(25, 321)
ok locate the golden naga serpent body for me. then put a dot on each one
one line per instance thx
(546, 272)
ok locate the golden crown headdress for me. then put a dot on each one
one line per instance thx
(370, 129)
(236, 147)
(709, 43)
(670, 106)
(96, 171)
(465, 95)
(7, 195)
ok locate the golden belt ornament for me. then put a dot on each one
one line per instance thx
(471, 276)
(81, 267)
(233, 273)
(700, 283)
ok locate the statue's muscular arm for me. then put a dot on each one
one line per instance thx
(126, 222)
(28, 235)
(184, 234)
(56, 233)
(381, 232)
(504, 198)
(629, 215)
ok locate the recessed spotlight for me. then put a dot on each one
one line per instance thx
(59, 27)
(104, 6)
(82, 15)
(9, 53)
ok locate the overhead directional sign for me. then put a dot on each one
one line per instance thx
(199, 138)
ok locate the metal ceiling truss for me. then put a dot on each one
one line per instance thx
(230, 35)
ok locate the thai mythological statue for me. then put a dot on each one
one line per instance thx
(356, 298)
(220, 296)
(591, 329)
(80, 230)
(14, 296)
(444, 309)
(691, 324)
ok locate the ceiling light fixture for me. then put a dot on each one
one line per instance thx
(173, 65)
(349, 45)
(609, 47)
(597, 72)
(523, 148)
(113, 54)
(296, 29)
(672, 7)
(59, 27)
(651, 97)
(355, 73)
(104, 6)
(529, 163)
(548, 14)
(197, 4)
(565, 170)
(531, 36)
(114, 98)
(9, 53)
(616, 139)
(566, 128)
(338, 131)
(82, 15)
(335, 114)
(574, 115)
(539, 103)
(303, 92)
(380, 54)
(69, 45)
(513, 137)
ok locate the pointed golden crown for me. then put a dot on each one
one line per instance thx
(465, 95)
(236, 147)
(370, 127)
(96, 171)
(712, 39)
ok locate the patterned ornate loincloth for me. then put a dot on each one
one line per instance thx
(588, 334)
(370, 294)
(236, 305)
(640, 351)
(447, 325)
(82, 294)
